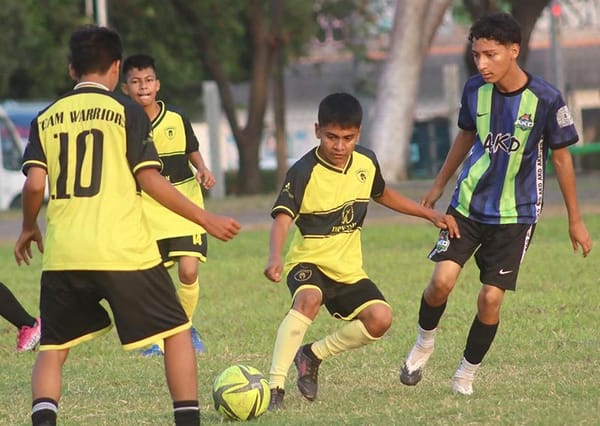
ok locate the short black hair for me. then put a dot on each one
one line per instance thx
(139, 61)
(342, 109)
(93, 49)
(500, 26)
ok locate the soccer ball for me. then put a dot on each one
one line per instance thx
(241, 392)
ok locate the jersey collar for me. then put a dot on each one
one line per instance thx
(83, 84)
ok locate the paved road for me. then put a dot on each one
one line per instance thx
(253, 212)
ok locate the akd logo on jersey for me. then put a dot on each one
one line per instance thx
(524, 122)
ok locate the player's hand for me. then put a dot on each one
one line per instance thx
(432, 196)
(447, 222)
(222, 227)
(205, 178)
(23, 251)
(580, 237)
(273, 270)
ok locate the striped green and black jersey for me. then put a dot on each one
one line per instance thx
(329, 206)
(502, 180)
(174, 140)
(91, 144)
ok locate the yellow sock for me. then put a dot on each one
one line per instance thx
(351, 336)
(289, 338)
(188, 296)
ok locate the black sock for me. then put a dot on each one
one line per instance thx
(43, 412)
(186, 413)
(12, 310)
(479, 340)
(429, 316)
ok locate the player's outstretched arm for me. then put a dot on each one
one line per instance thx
(457, 154)
(32, 199)
(203, 175)
(398, 202)
(279, 230)
(565, 174)
(222, 227)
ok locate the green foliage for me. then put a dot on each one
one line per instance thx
(33, 52)
(543, 368)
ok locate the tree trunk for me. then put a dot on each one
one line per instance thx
(415, 24)
(279, 90)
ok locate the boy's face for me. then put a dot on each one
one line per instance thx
(141, 85)
(492, 59)
(337, 143)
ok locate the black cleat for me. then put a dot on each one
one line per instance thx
(308, 372)
(276, 401)
(410, 378)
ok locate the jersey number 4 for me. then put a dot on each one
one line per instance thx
(88, 162)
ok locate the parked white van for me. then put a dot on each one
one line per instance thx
(11, 156)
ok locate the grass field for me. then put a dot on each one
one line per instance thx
(543, 369)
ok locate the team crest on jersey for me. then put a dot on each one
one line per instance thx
(362, 175)
(563, 117)
(524, 122)
(303, 275)
(170, 132)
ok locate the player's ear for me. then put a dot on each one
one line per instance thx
(157, 85)
(317, 131)
(515, 49)
(124, 89)
(72, 73)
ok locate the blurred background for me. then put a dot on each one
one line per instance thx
(250, 73)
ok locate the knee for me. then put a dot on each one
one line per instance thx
(438, 290)
(188, 275)
(490, 298)
(379, 321)
(308, 303)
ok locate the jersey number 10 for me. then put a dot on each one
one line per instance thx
(89, 162)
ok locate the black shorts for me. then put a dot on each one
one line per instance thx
(190, 245)
(343, 301)
(499, 249)
(144, 305)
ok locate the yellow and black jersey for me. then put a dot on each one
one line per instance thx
(329, 206)
(174, 140)
(91, 144)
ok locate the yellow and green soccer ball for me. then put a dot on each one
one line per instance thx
(241, 392)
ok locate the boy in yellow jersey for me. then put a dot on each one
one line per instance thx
(326, 193)
(178, 239)
(96, 153)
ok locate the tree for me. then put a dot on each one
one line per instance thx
(415, 24)
(214, 29)
(33, 52)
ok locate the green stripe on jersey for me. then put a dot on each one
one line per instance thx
(527, 109)
(484, 107)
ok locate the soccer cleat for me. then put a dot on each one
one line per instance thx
(276, 401)
(29, 337)
(308, 373)
(462, 381)
(197, 342)
(153, 350)
(412, 369)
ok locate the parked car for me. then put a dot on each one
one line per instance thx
(21, 113)
(11, 156)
